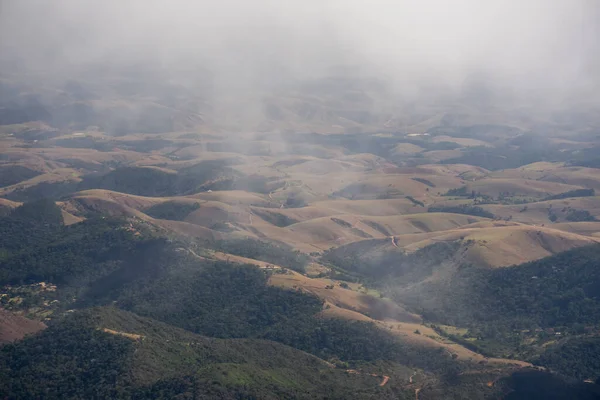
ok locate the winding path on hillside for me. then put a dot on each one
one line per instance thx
(384, 381)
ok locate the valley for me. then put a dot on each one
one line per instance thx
(299, 200)
(400, 241)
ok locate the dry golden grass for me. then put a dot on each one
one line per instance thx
(553, 172)
(538, 213)
(519, 187)
(423, 222)
(375, 185)
(580, 228)
(8, 204)
(54, 176)
(313, 269)
(465, 142)
(70, 219)
(452, 170)
(83, 203)
(316, 178)
(186, 229)
(335, 231)
(488, 243)
(435, 119)
(325, 232)
(235, 197)
(318, 186)
(53, 155)
(508, 245)
(332, 311)
(31, 161)
(331, 292)
(317, 166)
(404, 149)
(441, 155)
(132, 336)
(14, 326)
(299, 214)
(231, 258)
(533, 171)
(124, 199)
(407, 331)
(211, 212)
(366, 207)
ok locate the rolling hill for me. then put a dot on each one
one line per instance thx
(323, 240)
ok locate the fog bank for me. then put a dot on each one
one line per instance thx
(234, 48)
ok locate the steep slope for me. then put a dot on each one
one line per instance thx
(15, 327)
(484, 244)
(151, 356)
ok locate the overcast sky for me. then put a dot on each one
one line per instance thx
(531, 43)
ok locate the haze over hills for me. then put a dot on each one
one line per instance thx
(343, 201)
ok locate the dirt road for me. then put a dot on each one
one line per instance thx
(384, 381)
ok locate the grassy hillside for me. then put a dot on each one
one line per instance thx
(107, 353)
(326, 246)
(171, 210)
(112, 354)
(517, 311)
(557, 291)
(106, 261)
